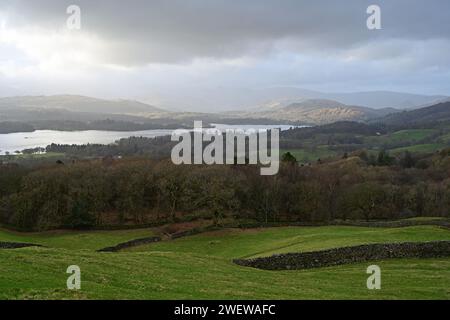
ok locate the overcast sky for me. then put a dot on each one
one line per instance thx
(182, 51)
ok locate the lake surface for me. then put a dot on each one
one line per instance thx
(41, 138)
(282, 127)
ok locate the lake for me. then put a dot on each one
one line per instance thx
(12, 142)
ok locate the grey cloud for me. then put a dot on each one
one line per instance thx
(321, 45)
(141, 32)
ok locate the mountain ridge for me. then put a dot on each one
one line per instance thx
(79, 103)
(319, 112)
(437, 113)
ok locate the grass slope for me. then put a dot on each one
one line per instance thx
(419, 148)
(89, 240)
(200, 266)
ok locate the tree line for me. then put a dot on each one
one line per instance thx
(137, 191)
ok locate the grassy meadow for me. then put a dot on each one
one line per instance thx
(311, 154)
(200, 266)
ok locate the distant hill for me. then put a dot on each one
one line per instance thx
(233, 99)
(320, 111)
(382, 99)
(428, 115)
(76, 103)
(68, 112)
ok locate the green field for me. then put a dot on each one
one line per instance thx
(200, 267)
(73, 240)
(310, 154)
(419, 148)
(445, 138)
(411, 135)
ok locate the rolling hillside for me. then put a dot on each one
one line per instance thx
(75, 103)
(428, 115)
(319, 111)
(250, 99)
(186, 268)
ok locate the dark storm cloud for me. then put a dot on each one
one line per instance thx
(207, 54)
(141, 32)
